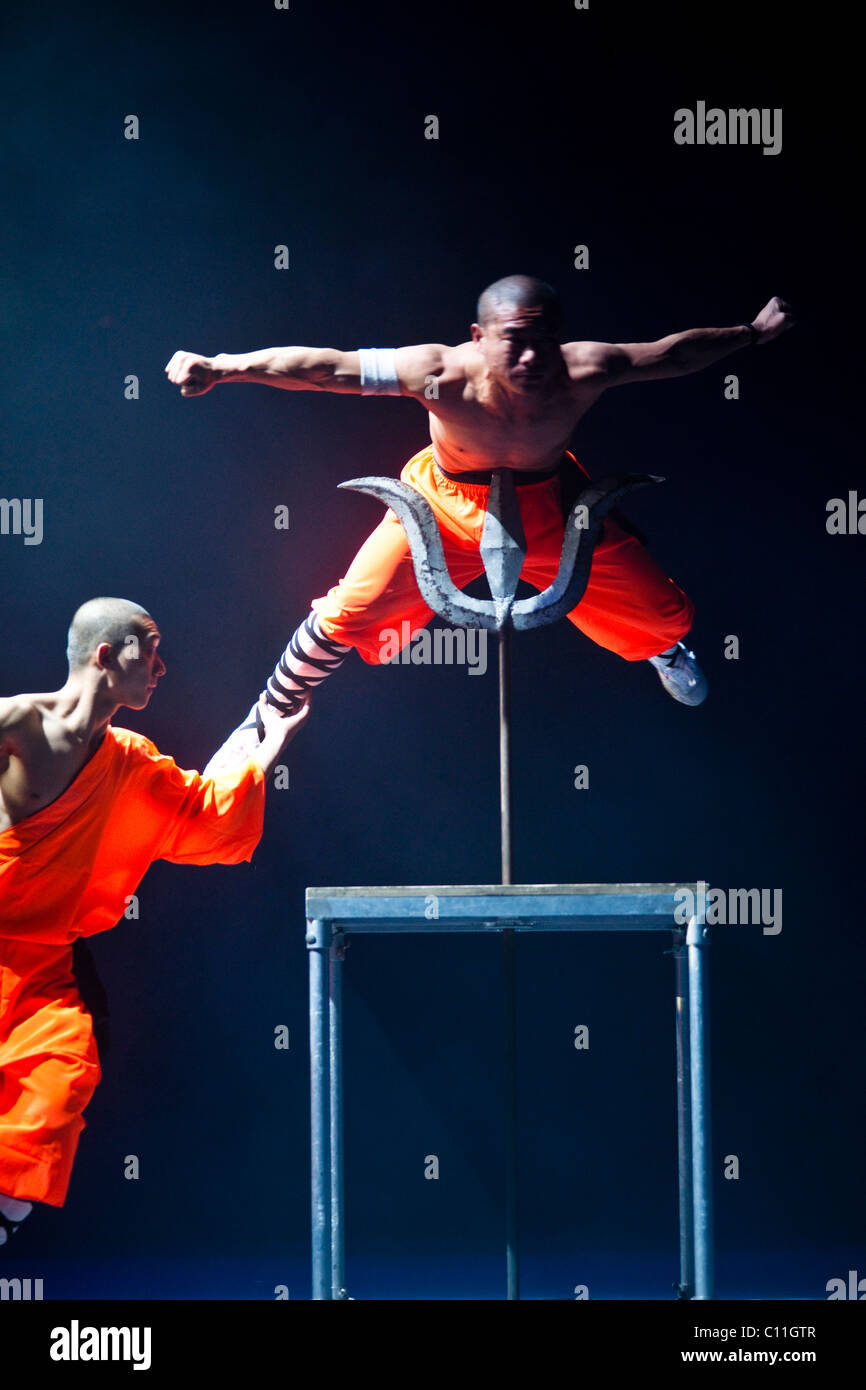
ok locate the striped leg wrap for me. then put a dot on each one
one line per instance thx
(307, 660)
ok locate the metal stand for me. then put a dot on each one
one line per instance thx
(503, 549)
(638, 907)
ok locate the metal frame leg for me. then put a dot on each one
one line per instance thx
(702, 1182)
(512, 1247)
(685, 1287)
(318, 940)
(336, 956)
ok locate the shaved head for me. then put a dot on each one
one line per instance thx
(518, 292)
(101, 620)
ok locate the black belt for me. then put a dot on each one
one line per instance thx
(519, 475)
(92, 992)
(574, 480)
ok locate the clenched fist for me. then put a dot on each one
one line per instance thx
(775, 318)
(192, 373)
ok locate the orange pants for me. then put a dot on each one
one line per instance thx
(630, 606)
(49, 1069)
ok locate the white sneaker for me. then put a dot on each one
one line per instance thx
(12, 1213)
(681, 675)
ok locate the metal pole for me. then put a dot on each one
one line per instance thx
(512, 1263)
(317, 945)
(505, 750)
(702, 1183)
(336, 956)
(685, 1288)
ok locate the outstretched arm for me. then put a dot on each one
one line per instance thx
(216, 818)
(617, 364)
(301, 369)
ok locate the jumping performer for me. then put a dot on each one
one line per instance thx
(509, 398)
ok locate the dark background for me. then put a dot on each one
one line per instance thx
(306, 127)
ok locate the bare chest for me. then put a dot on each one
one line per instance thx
(474, 434)
(30, 782)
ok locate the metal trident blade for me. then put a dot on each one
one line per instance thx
(503, 544)
(438, 589)
(504, 549)
(582, 531)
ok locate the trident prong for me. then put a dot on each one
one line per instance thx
(503, 548)
(503, 544)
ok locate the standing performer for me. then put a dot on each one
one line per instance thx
(509, 398)
(85, 809)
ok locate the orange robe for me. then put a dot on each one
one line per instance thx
(69, 871)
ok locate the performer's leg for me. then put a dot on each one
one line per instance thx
(307, 660)
(49, 1069)
(376, 608)
(379, 583)
(630, 606)
(634, 609)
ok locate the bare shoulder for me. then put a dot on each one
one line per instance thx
(19, 714)
(420, 366)
(589, 361)
(16, 709)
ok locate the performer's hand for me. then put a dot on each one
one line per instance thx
(280, 729)
(775, 318)
(192, 373)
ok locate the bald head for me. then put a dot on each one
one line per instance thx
(110, 620)
(519, 292)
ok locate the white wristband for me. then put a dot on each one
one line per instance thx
(378, 372)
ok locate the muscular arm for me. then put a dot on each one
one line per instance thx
(301, 369)
(678, 354)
